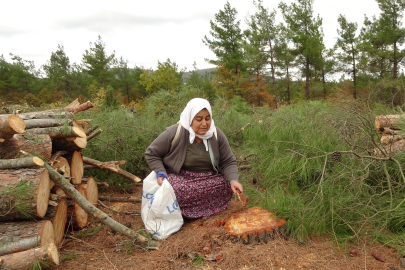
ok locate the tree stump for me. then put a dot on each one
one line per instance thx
(26, 259)
(254, 225)
(38, 202)
(34, 144)
(19, 236)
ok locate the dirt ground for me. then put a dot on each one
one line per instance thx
(210, 247)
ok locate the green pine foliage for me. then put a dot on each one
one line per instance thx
(16, 198)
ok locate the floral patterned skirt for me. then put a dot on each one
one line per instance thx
(201, 194)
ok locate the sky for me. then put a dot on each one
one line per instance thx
(143, 32)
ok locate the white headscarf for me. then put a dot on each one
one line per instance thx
(193, 107)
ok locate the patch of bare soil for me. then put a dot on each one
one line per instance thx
(210, 247)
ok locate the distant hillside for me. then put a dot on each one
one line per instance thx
(200, 72)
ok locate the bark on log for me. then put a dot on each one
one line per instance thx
(76, 214)
(112, 167)
(90, 185)
(391, 149)
(39, 181)
(82, 107)
(91, 129)
(60, 114)
(10, 125)
(20, 163)
(19, 236)
(46, 123)
(64, 144)
(386, 139)
(59, 132)
(389, 121)
(39, 144)
(26, 259)
(119, 199)
(58, 216)
(97, 213)
(94, 134)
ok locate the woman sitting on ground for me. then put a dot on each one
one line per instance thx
(196, 159)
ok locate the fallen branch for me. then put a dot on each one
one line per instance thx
(95, 212)
(91, 129)
(112, 167)
(94, 134)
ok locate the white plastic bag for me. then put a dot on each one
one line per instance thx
(160, 212)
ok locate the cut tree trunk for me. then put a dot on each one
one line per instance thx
(95, 212)
(59, 132)
(23, 162)
(34, 144)
(112, 167)
(64, 144)
(9, 125)
(254, 225)
(119, 199)
(19, 236)
(82, 107)
(27, 259)
(58, 216)
(90, 185)
(77, 217)
(46, 123)
(389, 121)
(38, 202)
(59, 114)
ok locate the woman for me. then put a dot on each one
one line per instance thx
(197, 160)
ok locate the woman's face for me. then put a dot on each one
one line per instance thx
(201, 122)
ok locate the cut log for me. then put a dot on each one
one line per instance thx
(393, 121)
(27, 259)
(58, 216)
(38, 202)
(35, 144)
(94, 134)
(386, 139)
(46, 123)
(77, 217)
(62, 163)
(59, 132)
(119, 199)
(254, 225)
(95, 212)
(23, 162)
(391, 149)
(76, 167)
(19, 236)
(58, 191)
(80, 108)
(90, 185)
(91, 129)
(64, 144)
(10, 125)
(389, 131)
(112, 167)
(60, 114)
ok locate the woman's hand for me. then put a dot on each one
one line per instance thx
(160, 180)
(236, 185)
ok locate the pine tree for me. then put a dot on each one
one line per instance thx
(349, 52)
(97, 63)
(306, 35)
(226, 42)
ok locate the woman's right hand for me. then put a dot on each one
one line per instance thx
(160, 180)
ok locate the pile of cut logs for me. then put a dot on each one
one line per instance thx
(35, 149)
(392, 136)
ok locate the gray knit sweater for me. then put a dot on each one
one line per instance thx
(162, 156)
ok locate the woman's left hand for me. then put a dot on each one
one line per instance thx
(236, 185)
